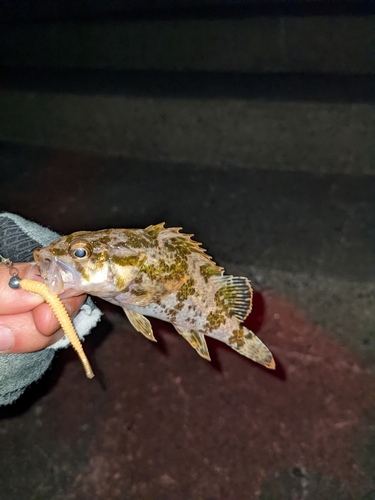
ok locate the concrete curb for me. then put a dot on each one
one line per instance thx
(305, 136)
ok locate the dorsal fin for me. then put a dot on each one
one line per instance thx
(183, 244)
(234, 294)
(155, 229)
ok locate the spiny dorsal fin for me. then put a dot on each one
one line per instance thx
(155, 229)
(235, 294)
(174, 240)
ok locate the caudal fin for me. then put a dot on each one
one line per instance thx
(248, 344)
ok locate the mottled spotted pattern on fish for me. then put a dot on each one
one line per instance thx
(157, 272)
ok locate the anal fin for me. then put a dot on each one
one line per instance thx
(140, 323)
(196, 340)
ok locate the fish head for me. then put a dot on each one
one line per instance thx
(82, 262)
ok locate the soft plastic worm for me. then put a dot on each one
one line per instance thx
(62, 316)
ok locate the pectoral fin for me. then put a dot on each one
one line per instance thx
(140, 323)
(197, 341)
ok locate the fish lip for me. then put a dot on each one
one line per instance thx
(50, 274)
(58, 276)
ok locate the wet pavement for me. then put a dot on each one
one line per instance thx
(158, 422)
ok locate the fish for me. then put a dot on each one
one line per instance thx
(161, 273)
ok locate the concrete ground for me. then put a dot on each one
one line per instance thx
(158, 422)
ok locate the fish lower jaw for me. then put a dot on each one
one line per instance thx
(54, 287)
(57, 285)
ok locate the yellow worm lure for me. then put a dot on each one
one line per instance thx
(57, 307)
(62, 316)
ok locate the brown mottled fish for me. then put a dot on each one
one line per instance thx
(157, 272)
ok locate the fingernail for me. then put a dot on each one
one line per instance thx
(6, 339)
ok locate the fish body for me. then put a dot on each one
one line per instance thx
(158, 272)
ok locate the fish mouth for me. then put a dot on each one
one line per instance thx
(58, 276)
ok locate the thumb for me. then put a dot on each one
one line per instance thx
(15, 301)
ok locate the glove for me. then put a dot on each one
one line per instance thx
(18, 238)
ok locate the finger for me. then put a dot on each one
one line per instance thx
(28, 335)
(46, 321)
(14, 301)
(25, 336)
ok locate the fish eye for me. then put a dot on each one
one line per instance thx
(80, 250)
(80, 253)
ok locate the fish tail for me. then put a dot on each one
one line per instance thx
(245, 342)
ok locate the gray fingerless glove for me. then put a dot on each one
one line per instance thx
(18, 239)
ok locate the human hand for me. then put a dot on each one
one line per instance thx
(27, 323)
